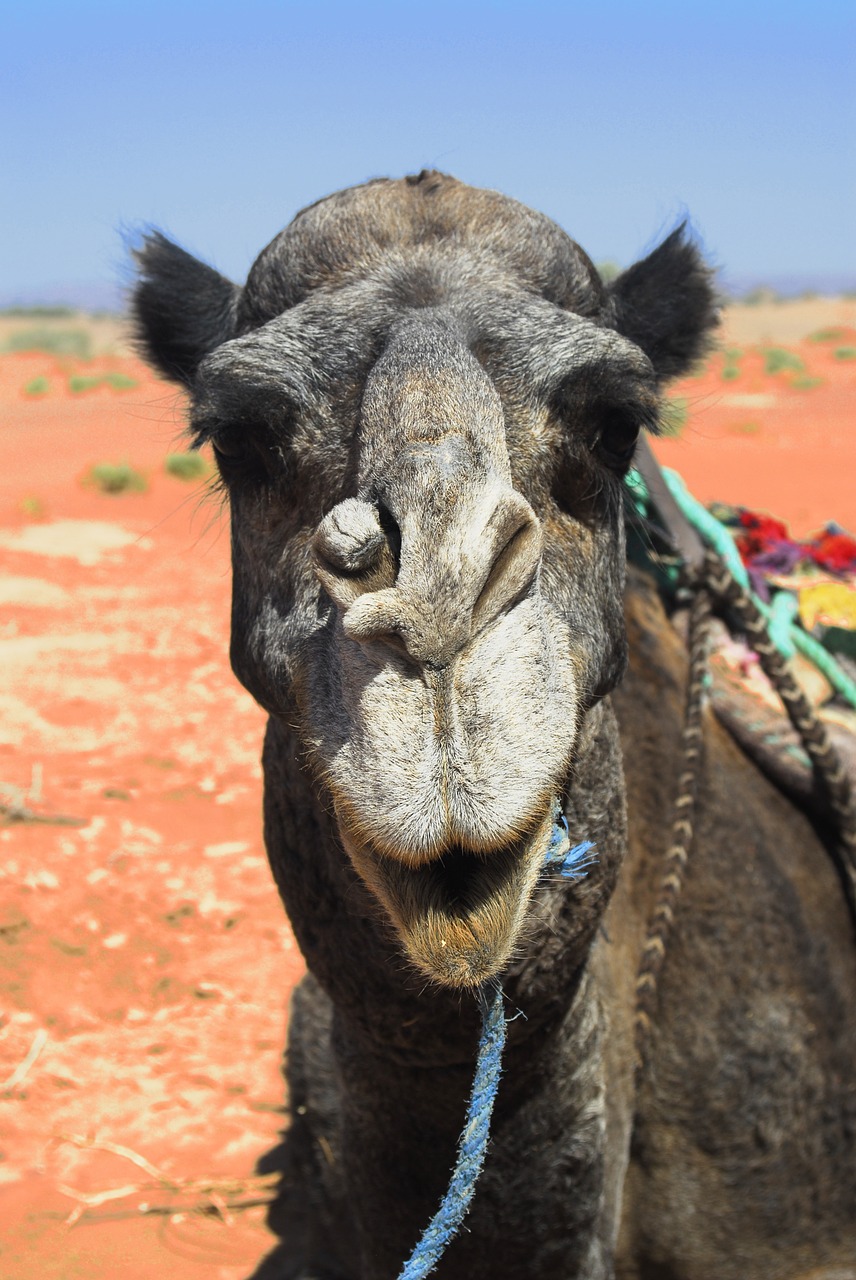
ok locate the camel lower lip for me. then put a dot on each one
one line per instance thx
(458, 916)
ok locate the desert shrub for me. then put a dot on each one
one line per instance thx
(54, 342)
(826, 335)
(845, 353)
(116, 477)
(32, 507)
(37, 386)
(804, 382)
(80, 382)
(744, 428)
(186, 466)
(731, 367)
(780, 360)
(119, 381)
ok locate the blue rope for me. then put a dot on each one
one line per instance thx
(472, 1144)
(570, 862)
(711, 529)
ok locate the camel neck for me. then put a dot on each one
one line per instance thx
(355, 955)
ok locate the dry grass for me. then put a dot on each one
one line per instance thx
(786, 322)
(107, 334)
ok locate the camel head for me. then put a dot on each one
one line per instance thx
(422, 404)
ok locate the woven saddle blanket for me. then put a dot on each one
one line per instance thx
(749, 708)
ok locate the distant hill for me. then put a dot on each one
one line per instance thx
(791, 284)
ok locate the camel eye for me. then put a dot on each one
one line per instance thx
(240, 454)
(230, 444)
(617, 439)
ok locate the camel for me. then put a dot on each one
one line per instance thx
(422, 404)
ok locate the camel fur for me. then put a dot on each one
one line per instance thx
(422, 404)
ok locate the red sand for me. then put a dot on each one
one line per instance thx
(145, 953)
(760, 441)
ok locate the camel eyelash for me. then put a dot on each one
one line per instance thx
(241, 452)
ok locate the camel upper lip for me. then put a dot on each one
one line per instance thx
(458, 915)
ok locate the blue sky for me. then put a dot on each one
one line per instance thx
(216, 122)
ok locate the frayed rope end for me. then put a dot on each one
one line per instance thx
(570, 862)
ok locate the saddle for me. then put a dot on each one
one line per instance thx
(741, 696)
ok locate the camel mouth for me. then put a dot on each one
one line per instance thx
(459, 915)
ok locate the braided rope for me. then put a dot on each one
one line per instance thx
(715, 580)
(828, 768)
(677, 854)
(472, 1144)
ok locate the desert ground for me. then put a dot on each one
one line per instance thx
(145, 961)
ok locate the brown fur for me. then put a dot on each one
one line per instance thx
(746, 1117)
(423, 403)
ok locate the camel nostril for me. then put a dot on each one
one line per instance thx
(515, 565)
(350, 537)
(352, 551)
(392, 532)
(457, 575)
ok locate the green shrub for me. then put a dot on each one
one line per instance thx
(80, 382)
(54, 342)
(37, 387)
(745, 428)
(780, 360)
(827, 335)
(186, 466)
(804, 382)
(119, 477)
(731, 357)
(119, 381)
(845, 353)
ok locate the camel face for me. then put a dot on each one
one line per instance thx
(422, 409)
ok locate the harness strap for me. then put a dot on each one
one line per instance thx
(712, 582)
(686, 541)
(820, 749)
(677, 854)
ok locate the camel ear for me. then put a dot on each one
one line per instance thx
(667, 305)
(182, 308)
